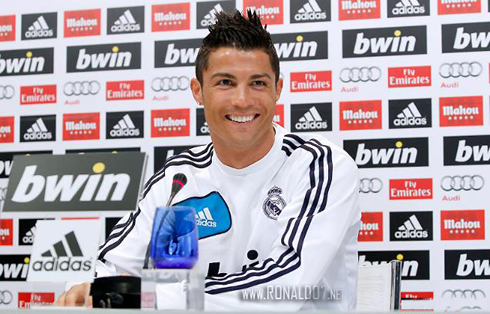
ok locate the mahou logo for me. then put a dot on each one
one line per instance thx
(458, 6)
(279, 115)
(466, 37)
(173, 122)
(371, 227)
(82, 23)
(270, 11)
(311, 81)
(461, 111)
(409, 76)
(6, 232)
(462, 225)
(381, 153)
(28, 299)
(170, 17)
(105, 57)
(360, 115)
(38, 94)
(6, 129)
(7, 28)
(125, 90)
(26, 61)
(359, 9)
(411, 189)
(81, 126)
(390, 41)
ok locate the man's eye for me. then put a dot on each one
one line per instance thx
(259, 83)
(224, 82)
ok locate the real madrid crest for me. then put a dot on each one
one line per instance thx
(274, 203)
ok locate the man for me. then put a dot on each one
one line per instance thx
(281, 209)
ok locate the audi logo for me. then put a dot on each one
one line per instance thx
(370, 185)
(81, 88)
(463, 294)
(5, 297)
(170, 83)
(466, 183)
(6, 92)
(363, 74)
(463, 69)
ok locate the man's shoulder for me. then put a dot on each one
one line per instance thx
(313, 146)
(194, 156)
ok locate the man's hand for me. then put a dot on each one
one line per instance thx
(76, 296)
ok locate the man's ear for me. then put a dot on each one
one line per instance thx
(196, 89)
(279, 85)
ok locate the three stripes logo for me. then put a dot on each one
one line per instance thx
(38, 128)
(39, 26)
(206, 12)
(125, 20)
(403, 8)
(311, 117)
(309, 11)
(410, 113)
(125, 124)
(205, 219)
(64, 255)
(411, 226)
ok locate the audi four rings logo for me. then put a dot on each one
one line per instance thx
(6, 92)
(370, 185)
(81, 88)
(466, 183)
(6, 297)
(363, 74)
(172, 83)
(463, 69)
(463, 294)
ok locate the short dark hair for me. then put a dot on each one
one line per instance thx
(234, 30)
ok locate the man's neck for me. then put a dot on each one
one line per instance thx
(239, 158)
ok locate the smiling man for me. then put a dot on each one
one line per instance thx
(280, 211)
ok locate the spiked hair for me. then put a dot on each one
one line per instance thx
(234, 30)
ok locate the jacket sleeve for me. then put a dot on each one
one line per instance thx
(317, 244)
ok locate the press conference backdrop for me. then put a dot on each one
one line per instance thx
(402, 85)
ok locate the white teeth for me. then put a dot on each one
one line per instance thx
(241, 119)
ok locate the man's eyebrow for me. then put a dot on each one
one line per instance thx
(228, 75)
(255, 76)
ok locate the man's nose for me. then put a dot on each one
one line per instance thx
(241, 97)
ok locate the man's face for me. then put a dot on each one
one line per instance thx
(239, 94)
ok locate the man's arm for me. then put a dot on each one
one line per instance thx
(322, 217)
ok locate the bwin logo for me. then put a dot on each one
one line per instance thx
(477, 153)
(477, 40)
(114, 59)
(38, 131)
(466, 267)
(205, 219)
(66, 258)
(409, 268)
(32, 185)
(384, 156)
(185, 55)
(28, 64)
(298, 49)
(11, 271)
(397, 43)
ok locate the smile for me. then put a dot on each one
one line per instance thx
(241, 119)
